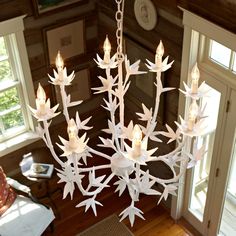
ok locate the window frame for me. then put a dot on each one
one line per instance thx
(14, 28)
(16, 83)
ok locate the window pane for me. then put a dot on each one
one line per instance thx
(9, 99)
(5, 71)
(13, 119)
(220, 53)
(3, 51)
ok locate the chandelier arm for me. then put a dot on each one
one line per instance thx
(64, 103)
(49, 143)
(75, 163)
(137, 165)
(172, 180)
(98, 153)
(88, 187)
(126, 78)
(98, 190)
(112, 113)
(152, 125)
(179, 147)
(95, 168)
(80, 170)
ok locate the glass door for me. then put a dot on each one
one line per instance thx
(228, 219)
(199, 179)
(223, 205)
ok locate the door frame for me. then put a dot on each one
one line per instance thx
(203, 226)
(224, 165)
(193, 27)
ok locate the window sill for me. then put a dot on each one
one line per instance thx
(17, 142)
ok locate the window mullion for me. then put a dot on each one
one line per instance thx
(232, 58)
(208, 49)
(11, 84)
(5, 112)
(3, 58)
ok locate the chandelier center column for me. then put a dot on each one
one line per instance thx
(120, 59)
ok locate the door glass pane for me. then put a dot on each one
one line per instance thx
(202, 170)
(228, 220)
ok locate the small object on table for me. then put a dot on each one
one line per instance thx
(41, 170)
(26, 163)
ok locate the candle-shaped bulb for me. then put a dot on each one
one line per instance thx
(59, 62)
(195, 75)
(41, 95)
(41, 100)
(137, 134)
(192, 115)
(72, 129)
(136, 141)
(159, 53)
(107, 50)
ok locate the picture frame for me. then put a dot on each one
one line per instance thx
(68, 38)
(142, 88)
(43, 7)
(80, 88)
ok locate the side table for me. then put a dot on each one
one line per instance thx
(43, 188)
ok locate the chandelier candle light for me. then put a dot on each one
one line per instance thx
(125, 163)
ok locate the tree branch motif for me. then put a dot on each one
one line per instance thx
(127, 160)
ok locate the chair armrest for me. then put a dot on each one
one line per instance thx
(23, 188)
(18, 186)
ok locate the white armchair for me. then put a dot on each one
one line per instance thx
(26, 216)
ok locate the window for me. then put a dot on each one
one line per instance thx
(12, 119)
(221, 55)
(16, 87)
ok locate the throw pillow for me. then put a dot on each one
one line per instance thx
(7, 194)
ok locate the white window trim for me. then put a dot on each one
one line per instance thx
(194, 26)
(16, 26)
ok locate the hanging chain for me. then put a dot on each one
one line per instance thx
(119, 31)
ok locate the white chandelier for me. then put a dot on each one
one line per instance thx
(125, 163)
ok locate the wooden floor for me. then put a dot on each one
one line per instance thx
(70, 220)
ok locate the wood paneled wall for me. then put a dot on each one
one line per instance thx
(37, 52)
(220, 12)
(171, 34)
(168, 29)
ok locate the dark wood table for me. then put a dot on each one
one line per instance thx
(42, 188)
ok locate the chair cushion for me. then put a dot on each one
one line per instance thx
(26, 218)
(7, 194)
